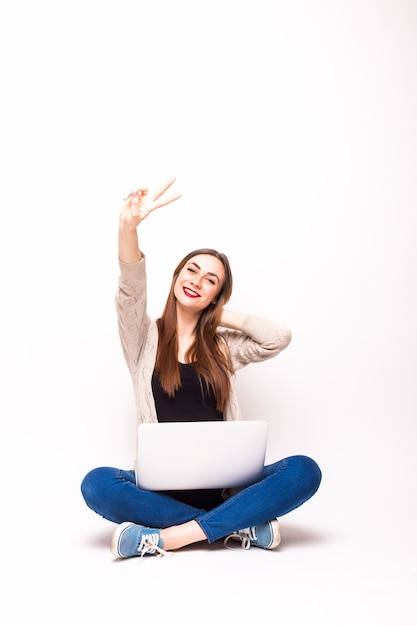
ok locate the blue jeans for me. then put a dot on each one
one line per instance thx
(286, 484)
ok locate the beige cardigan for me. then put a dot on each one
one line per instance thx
(260, 339)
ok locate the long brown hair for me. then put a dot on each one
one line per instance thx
(207, 353)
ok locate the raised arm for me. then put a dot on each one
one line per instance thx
(138, 205)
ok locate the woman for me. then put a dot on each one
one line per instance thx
(181, 367)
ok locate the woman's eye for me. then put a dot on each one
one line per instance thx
(190, 269)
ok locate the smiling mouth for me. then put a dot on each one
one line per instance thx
(190, 293)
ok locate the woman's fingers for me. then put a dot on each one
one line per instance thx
(137, 198)
(163, 188)
(135, 194)
(166, 200)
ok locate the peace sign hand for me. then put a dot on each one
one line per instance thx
(141, 202)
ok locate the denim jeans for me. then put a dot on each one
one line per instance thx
(286, 484)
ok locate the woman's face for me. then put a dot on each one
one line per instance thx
(199, 282)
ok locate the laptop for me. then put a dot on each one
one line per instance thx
(200, 455)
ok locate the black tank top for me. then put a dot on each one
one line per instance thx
(193, 402)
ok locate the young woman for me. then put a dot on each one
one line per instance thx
(182, 367)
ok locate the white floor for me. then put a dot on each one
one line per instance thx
(332, 568)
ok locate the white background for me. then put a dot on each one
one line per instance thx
(291, 128)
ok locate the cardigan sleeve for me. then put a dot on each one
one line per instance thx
(132, 316)
(260, 339)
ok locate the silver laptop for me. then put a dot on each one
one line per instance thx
(200, 455)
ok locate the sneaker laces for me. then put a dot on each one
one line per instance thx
(149, 545)
(245, 536)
